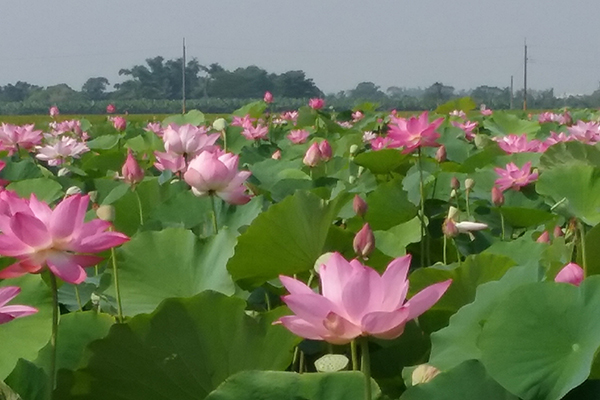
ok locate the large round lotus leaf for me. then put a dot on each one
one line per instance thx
(540, 342)
(382, 161)
(182, 351)
(173, 262)
(45, 189)
(576, 187)
(271, 385)
(468, 381)
(389, 206)
(24, 337)
(570, 153)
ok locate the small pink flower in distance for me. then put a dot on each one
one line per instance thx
(110, 109)
(8, 313)
(312, 156)
(381, 142)
(244, 121)
(316, 103)
(268, 97)
(458, 113)
(325, 150)
(517, 143)
(368, 136)
(290, 116)
(53, 111)
(357, 116)
(571, 273)
(255, 132)
(514, 177)
(298, 136)
(154, 127)
(356, 301)
(119, 123)
(414, 133)
(39, 237)
(14, 137)
(276, 155)
(485, 111)
(63, 149)
(468, 127)
(131, 170)
(216, 174)
(585, 132)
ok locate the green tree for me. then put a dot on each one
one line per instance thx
(95, 88)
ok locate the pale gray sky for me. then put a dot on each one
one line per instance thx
(338, 43)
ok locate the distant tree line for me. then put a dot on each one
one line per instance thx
(156, 87)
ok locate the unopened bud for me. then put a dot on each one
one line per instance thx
(440, 154)
(364, 242)
(454, 183)
(558, 232)
(544, 237)
(106, 213)
(453, 193)
(497, 197)
(326, 151)
(312, 156)
(469, 183)
(571, 273)
(423, 374)
(360, 206)
(276, 155)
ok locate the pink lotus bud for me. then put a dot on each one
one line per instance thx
(558, 232)
(312, 156)
(449, 228)
(497, 197)
(364, 242)
(119, 123)
(360, 206)
(110, 109)
(326, 151)
(268, 97)
(53, 111)
(544, 237)
(276, 155)
(440, 154)
(571, 273)
(132, 172)
(454, 183)
(316, 104)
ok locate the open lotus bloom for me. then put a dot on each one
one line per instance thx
(356, 301)
(39, 237)
(8, 313)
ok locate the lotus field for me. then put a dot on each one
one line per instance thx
(305, 255)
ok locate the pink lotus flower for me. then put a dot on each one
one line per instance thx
(8, 313)
(131, 170)
(381, 142)
(485, 111)
(414, 133)
(110, 109)
(188, 140)
(357, 116)
(217, 174)
(369, 136)
(38, 236)
(154, 127)
(325, 150)
(468, 127)
(316, 104)
(359, 206)
(312, 156)
(53, 111)
(514, 178)
(290, 116)
(170, 162)
(356, 301)
(255, 132)
(441, 154)
(268, 97)
(497, 197)
(517, 144)
(62, 150)
(119, 123)
(364, 242)
(298, 136)
(571, 273)
(244, 121)
(544, 237)
(585, 132)
(70, 127)
(14, 137)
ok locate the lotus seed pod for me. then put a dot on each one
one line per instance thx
(449, 228)
(423, 374)
(219, 124)
(106, 213)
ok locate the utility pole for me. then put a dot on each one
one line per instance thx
(525, 79)
(183, 80)
(511, 92)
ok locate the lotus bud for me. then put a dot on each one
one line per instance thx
(364, 242)
(423, 374)
(110, 109)
(454, 183)
(469, 183)
(453, 193)
(497, 197)
(452, 212)
(544, 237)
(119, 123)
(219, 124)
(276, 155)
(558, 231)
(106, 213)
(268, 97)
(440, 154)
(353, 149)
(326, 151)
(571, 273)
(360, 206)
(73, 190)
(63, 172)
(53, 111)
(131, 170)
(361, 169)
(312, 156)
(449, 228)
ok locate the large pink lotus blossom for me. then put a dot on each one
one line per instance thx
(38, 236)
(70, 127)
(8, 313)
(60, 151)
(586, 132)
(298, 136)
(14, 137)
(216, 173)
(514, 177)
(414, 133)
(517, 143)
(356, 301)
(468, 127)
(555, 138)
(316, 103)
(255, 132)
(182, 144)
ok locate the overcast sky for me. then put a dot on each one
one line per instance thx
(338, 43)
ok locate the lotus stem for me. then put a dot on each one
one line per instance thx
(467, 191)
(445, 251)
(354, 354)
(78, 298)
(224, 134)
(53, 337)
(582, 244)
(113, 257)
(502, 224)
(366, 365)
(458, 256)
(139, 201)
(422, 208)
(214, 213)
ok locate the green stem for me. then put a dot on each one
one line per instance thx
(214, 213)
(301, 364)
(55, 312)
(445, 250)
(139, 201)
(224, 133)
(366, 365)
(354, 353)
(267, 300)
(422, 207)
(78, 297)
(582, 244)
(117, 288)
(458, 257)
(502, 224)
(467, 204)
